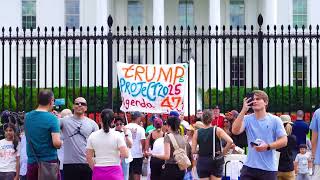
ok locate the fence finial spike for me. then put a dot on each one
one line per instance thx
(110, 21)
(260, 20)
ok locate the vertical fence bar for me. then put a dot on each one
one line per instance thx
(24, 68)
(196, 67)
(303, 68)
(118, 59)
(317, 41)
(146, 45)
(160, 45)
(310, 74)
(80, 39)
(167, 44)
(88, 64)
(38, 67)
(52, 59)
(209, 59)
(245, 59)
(174, 45)
(131, 38)
(289, 59)
(275, 66)
(231, 63)
(282, 72)
(73, 63)
(95, 71)
(224, 66)
(260, 53)
(3, 43)
(153, 41)
(238, 69)
(217, 74)
(17, 71)
(252, 41)
(268, 59)
(139, 45)
(10, 66)
(296, 67)
(110, 68)
(59, 42)
(45, 57)
(102, 64)
(189, 67)
(66, 66)
(202, 66)
(31, 69)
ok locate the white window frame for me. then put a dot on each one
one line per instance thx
(30, 16)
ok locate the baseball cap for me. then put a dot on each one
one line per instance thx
(285, 119)
(157, 123)
(153, 117)
(136, 115)
(174, 113)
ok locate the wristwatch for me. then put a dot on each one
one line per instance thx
(268, 148)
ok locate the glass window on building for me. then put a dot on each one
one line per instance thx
(29, 14)
(299, 70)
(186, 13)
(73, 73)
(29, 71)
(300, 13)
(72, 13)
(237, 71)
(135, 13)
(237, 13)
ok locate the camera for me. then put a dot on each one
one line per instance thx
(16, 118)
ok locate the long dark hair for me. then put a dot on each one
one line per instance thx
(107, 117)
(16, 138)
(174, 123)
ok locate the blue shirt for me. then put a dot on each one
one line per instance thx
(315, 126)
(300, 130)
(38, 128)
(268, 129)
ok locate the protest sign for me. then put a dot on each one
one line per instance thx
(152, 88)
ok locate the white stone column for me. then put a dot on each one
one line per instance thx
(101, 14)
(215, 20)
(158, 20)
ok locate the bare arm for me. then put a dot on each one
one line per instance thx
(89, 156)
(238, 125)
(147, 143)
(123, 152)
(17, 168)
(126, 138)
(279, 143)
(314, 141)
(295, 166)
(223, 135)
(194, 142)
(143, 143)
(57, 143)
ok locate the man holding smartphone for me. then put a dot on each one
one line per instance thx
(265, 133)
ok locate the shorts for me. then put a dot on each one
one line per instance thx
(248, 173)
(136, 166)
(206, 168)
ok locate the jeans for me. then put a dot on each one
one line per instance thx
(125, 168)
(303, 177)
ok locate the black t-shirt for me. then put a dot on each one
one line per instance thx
(286, 156)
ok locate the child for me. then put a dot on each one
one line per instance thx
(302, 163)
(9, 154)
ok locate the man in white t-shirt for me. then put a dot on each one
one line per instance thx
(138, 137)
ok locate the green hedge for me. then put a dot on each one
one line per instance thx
(231, 102)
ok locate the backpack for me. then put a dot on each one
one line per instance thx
(179, 154)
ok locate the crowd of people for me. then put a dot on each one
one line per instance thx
(68, 145)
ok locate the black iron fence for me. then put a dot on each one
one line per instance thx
(229, 62)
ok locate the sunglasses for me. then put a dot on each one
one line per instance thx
(119, 124)
(80, 103)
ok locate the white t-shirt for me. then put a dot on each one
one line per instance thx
(8, 156)
(106, 147)
(158, 146)
(138, 134)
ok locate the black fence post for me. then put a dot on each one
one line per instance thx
(110, 64)
(260, 52)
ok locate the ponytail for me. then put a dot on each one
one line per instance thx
(107, 117)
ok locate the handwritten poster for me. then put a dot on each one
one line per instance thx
(152, 88)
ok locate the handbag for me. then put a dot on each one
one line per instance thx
(217, 160)
(46, 170)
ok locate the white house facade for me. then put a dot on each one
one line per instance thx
(75, 13)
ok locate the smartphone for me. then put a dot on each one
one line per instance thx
(251, 96)
(59, 102)
(254, 144)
